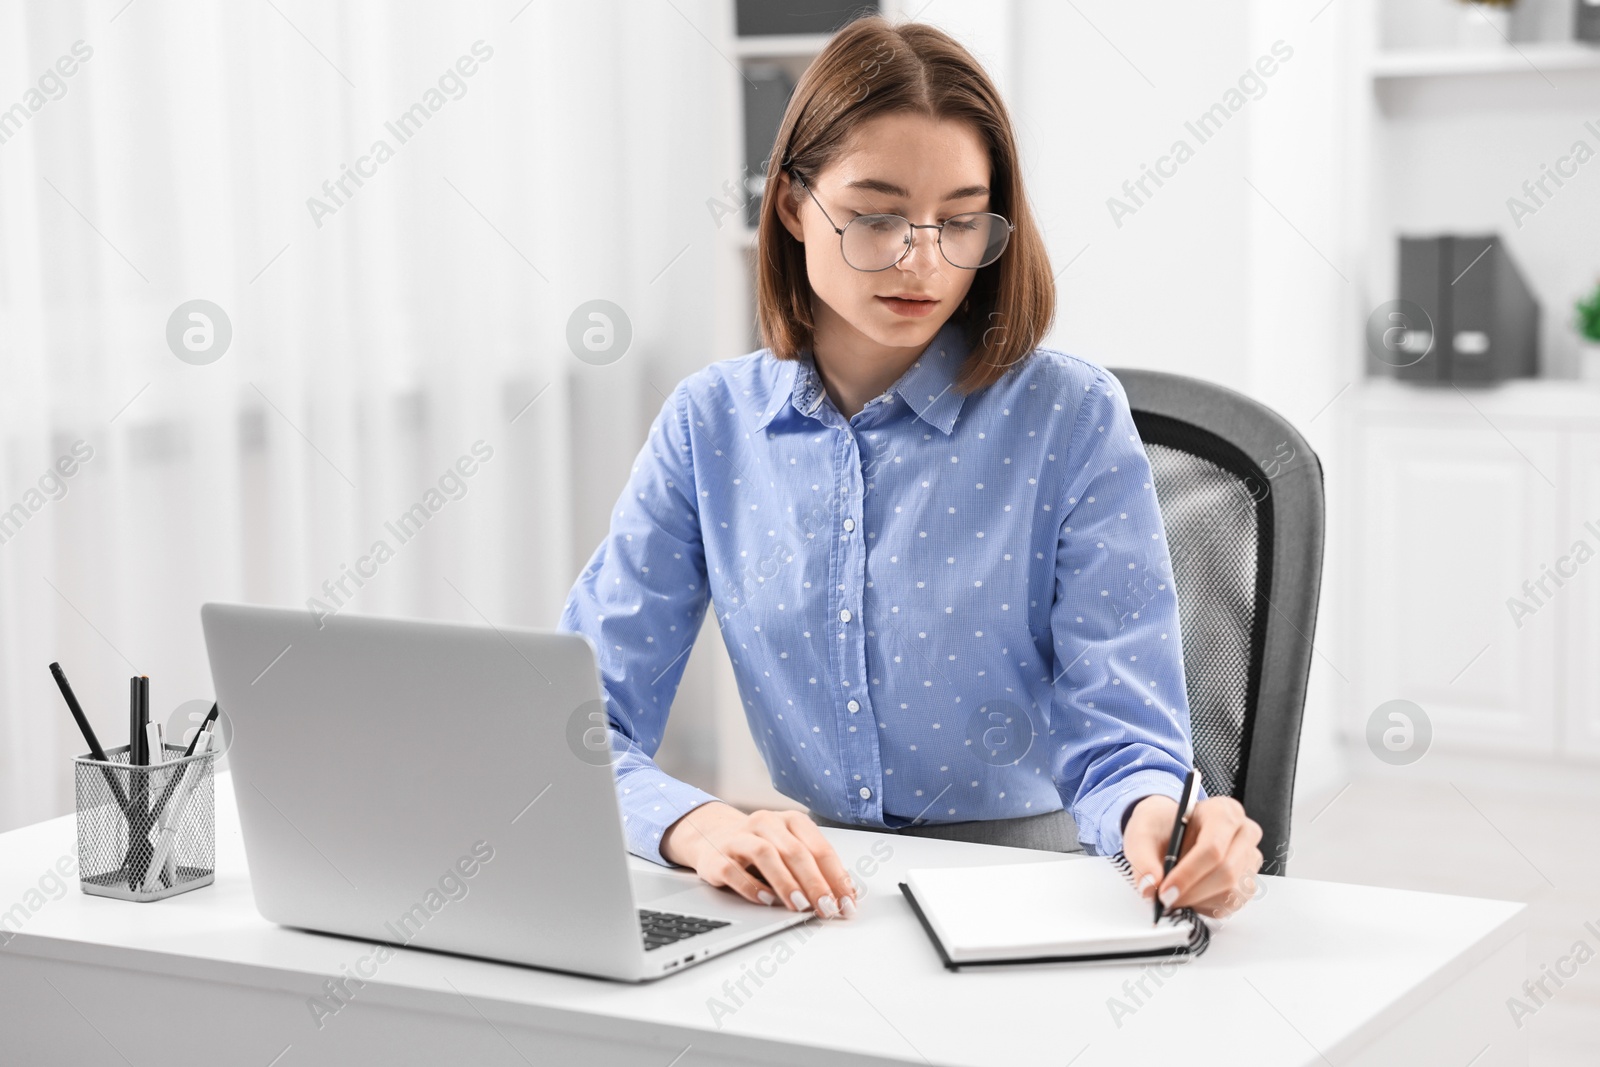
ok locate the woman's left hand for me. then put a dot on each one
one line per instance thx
(1215, 872)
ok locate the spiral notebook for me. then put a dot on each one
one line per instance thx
(1068, 911)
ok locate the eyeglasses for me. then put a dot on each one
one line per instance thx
(877, 242)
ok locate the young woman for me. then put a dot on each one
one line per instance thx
(933, 548)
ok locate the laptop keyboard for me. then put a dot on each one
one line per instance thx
(665, 927)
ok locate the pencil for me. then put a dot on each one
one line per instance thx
(88, 734)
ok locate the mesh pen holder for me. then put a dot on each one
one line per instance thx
(145, 833)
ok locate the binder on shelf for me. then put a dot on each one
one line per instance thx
(1484, 317)
(766, 18)
(1586, 25)
(766, 94)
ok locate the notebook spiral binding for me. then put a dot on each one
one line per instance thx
(1199, 931)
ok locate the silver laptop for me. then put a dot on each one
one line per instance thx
(449, 787)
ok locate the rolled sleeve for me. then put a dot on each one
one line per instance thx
(1120, 713)
(641, 600)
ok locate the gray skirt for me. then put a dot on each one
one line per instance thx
(1052, 831)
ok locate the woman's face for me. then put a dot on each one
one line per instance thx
(904, 164)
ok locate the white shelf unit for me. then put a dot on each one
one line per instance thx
(1459, 495)
(797, 45)
(1516, 58)
(1446, 139)
(1480, 585)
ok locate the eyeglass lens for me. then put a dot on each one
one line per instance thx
(875, 242)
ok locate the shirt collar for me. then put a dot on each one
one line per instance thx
(928, 385)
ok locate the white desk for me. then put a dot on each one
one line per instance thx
(1309, 973)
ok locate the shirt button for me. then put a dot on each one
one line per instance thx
(854, 706)
(866, 794)
(844, 615)
(849, 524)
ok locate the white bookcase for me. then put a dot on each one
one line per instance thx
(1458, 496)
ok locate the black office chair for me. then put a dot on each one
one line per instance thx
(1242, 502)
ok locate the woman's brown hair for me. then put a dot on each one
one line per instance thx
(874, 67)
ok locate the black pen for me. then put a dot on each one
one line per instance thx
(135, 727)
(88, 733)
(210, 717)
(138, 855)
(144, 720)
(1180, 827)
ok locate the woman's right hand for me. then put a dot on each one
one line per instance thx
(766, 857)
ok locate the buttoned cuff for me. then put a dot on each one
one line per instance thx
(1100, 815)
(652, 802)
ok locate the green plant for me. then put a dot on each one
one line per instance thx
(1589, 316)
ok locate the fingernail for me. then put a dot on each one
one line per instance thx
(826, 906)
(848, 906)
(1145, 883)
(1168, 895)
(767, 898)
(798, 899)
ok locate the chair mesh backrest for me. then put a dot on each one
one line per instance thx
(1218, 521)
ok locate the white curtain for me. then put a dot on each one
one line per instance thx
(375, 340)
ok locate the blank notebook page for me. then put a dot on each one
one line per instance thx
(1054, 908)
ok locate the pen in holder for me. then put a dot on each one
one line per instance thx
(146, 832)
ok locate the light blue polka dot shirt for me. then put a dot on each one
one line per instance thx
(943, 609)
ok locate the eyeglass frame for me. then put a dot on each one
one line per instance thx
(1011, 228)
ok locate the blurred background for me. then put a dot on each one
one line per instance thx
(268, 269)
